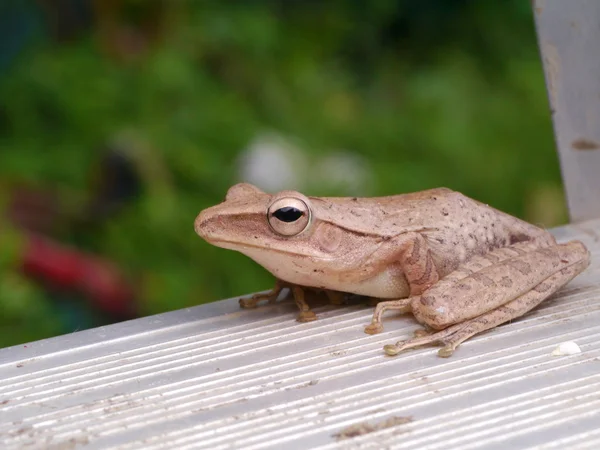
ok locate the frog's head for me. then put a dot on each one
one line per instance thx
(286, 228)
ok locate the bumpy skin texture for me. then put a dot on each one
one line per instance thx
(458, 265)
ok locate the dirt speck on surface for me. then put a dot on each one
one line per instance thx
(585, 144)
(23, 363)
(362, 428)
(303, 385)
(71, 443)
(377, 411)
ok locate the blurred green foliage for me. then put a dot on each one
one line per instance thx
(431, 93)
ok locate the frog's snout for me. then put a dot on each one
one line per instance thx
(210, 226)
(202, 225)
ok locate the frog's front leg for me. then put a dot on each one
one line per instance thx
(413, 256)
(492, 289)
(298, 292)
(306, 315)
(269, 296)
(335, 297)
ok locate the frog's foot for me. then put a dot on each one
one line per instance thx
(374, 328)
(423, 337)
(421, 332)
(306, 315)
(454, 335)
(402, 305)
(252, 302)
(270, 297)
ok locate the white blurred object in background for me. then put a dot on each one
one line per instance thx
(274, 163)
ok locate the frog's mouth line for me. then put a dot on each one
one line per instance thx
(236, 246)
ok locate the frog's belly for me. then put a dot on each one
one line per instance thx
(389, 283)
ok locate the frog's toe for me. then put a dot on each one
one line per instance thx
(422, 337)
(374, 328)
(392, 349)
(306, 316)
(446, 351)
(421, 333)
(248, 303)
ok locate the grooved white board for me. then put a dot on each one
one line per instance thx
(219, 377)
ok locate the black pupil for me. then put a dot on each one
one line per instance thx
(288, 214)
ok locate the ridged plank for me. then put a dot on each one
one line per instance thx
(219, 377)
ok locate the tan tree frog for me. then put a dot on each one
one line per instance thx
(459, 266)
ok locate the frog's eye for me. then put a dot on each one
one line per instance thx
(288, 216)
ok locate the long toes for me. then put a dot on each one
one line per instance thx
(421, 341)
(394, 349)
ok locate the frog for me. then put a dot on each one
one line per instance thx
(459, 266)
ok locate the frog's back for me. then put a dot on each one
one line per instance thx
(389, 215)
(442, 215)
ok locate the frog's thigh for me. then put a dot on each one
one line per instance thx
(436, 297)
(411, 252)
(453, 336)
(505, 275)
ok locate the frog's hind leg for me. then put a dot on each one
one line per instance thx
(454, 335)
(469, 268)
